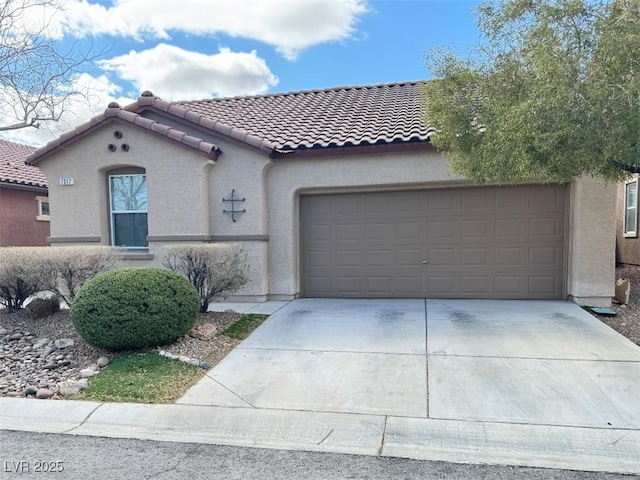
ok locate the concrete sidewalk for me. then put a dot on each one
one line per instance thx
(540, 384)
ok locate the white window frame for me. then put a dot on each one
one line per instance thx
(43, 217)
(113, 212)
(626, 231)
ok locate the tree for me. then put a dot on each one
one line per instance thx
(36, 69)
(553, 93)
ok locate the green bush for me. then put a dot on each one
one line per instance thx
(135, 308)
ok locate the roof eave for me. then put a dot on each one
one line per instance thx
(355, 150)
(206, 149)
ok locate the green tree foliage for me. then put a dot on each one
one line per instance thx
(552, 93)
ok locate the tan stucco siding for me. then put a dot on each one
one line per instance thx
(177, 183)
(289, 178)
(242, 170)
(627, 248)
(591, 248)
(186, 191)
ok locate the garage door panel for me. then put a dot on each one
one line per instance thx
(544, 227)
(543, 284)
(475, 199)
(347, 232)
(409, 257)
(347, 258)
(442, 256)
(441, 201)
(379, 231)
(475, 256)
(477, 242)
(507, 285)
(509, 228)
(318, 285)
(440, 230)
(509, 200)
(545, 197)
(409, 285)
(409, 230)
(547, 256)
(472, 285)
(476, 229)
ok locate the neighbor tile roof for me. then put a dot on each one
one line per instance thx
(336, 117)
(12, 166)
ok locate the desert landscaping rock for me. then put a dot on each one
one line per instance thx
(87, 373)
(72, 387)
(204, 332)
(102, 362)
(63, 343)
(33, 361)
(43, 393)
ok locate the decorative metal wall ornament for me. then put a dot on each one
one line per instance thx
(233, 199)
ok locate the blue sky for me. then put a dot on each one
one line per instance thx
(191, 49)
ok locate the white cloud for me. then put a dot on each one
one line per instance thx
(289, 25)
(173, 73)
(169, 72)
(101, 92)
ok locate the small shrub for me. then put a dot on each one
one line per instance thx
(23, 272)
(74, 266)
(134, 308)
(213, 269)
(43, 307)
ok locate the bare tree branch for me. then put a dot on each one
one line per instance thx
(37, 70)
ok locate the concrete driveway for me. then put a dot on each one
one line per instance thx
(522, 362)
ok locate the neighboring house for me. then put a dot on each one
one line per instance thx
(333, 193)
(24, 207)
(627, 240)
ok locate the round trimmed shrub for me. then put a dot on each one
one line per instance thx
(135, 308)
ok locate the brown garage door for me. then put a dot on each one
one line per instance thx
(475, 242)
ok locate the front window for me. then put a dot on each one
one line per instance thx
(128, 199)
(43, 209)
(631, 208)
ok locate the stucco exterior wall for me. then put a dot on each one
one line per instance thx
(591, 247)
(18, 223)
(627, 248)
(177, 183)
(290, 178)
(186, 192)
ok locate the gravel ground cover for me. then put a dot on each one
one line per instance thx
(39, 354)
(627, 320)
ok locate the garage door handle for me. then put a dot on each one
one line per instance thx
(424, 262)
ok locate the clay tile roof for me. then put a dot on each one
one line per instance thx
(13, 168)
(337, 117)
(115, 112)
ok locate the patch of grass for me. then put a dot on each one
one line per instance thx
(243, 327)
(142, 378)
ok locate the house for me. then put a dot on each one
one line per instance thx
(627, 240)
(332, 193)
(24, 206)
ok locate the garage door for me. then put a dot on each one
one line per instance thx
(474, 242)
